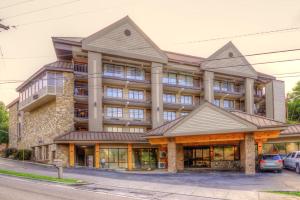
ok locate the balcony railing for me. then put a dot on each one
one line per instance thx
(81, 113)
(81, 67)
(81, 91)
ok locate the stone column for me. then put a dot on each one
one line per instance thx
(248, 154)
(260, 147)
(97, 155)
(275, 100)
(71, 155)
(95, 91)
(179, 157)
(249, 95)
(209, 86)
(172, 156)
(129, 157)
(157, 94)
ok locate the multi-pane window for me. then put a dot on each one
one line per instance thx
(114, 70)
(226, 153)
(217, 102)
(113, 158)
(186, 100)
(136, 113)
(224, 86)
(114, 129)
(217, 85)
(135, 73)
(136, 94)
(169, 98)
(114, 112)
(114, 92)
(136, 130)
(169, 78)
(185, 80)
(169, 115)
(228, 104)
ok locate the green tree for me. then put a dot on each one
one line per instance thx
(294, 104)
(3, 124)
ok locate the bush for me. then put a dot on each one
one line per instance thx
(9, 151)
(23, 154)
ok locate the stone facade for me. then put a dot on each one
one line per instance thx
(247, 152)
(226, 165)
(180, 157)
(172, 157)
(13, 126)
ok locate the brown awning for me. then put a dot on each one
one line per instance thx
(102, 137)
(291, 130)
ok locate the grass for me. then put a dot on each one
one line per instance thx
(288, 193)
(40, 177)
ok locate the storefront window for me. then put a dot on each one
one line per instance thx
(292, 146)
(113, 158)
(226, 153)
(144, 158)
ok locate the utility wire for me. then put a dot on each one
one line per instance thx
(38, 10)
(15, 4)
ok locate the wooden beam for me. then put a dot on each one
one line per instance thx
(260, 147)
(210, 138)
(71, 155)
(129, 157)
(154, 141)
(258, 135)
(97, 156)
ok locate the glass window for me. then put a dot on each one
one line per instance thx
(185, 80)
(136, 94)
(59, 80)
(218, 153)
(186, 100)
(114, 112)
(226, 153)
(228, 104)
(51, 79)
(114, 70)
(114, 92)
(169, 98)
(169, 115)
(217, 85)
(229, 153)
(44, 81)
(135, 73)
(291, 146)
(114, 129)
(113, 158)
(169, 78)
(136, 130)
(184, 113)
(217, 102)
(136, 113)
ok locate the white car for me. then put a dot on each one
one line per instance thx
(292, 161)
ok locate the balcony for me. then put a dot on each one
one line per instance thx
(81, 94)
(126, 102)
(106, 79)
(126, 120)
(81, 115)
(81, 71)
(194, 89)
(236, 92)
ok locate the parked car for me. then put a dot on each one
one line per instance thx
(292, 161)
(271, 162)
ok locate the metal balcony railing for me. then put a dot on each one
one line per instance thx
(81, 67)
(81, 113)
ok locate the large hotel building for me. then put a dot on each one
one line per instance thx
(116, 100)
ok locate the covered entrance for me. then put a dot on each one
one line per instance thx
(197, 157)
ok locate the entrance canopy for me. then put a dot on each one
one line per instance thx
(218, 124)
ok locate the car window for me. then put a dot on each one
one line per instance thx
(289, 155)
(298, 156)
(293, 154)
(271, 157)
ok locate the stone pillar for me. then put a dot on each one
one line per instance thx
(209, 86)
(249, 95)
(260, 147)
(157, 94)
(179, 157)
(129, 157)
(95, 91)
(97, 156)
(248, 154)
(275, 101)
(71, 155)
(172, 156)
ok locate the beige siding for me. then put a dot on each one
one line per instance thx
(207, 120)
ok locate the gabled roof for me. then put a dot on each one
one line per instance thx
(112, 137)
(124, 38)
(184, 58)
(291, 130)
(229, 60)
(210, 119)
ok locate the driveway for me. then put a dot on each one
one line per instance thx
(219, 185)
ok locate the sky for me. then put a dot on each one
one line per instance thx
(174, 25)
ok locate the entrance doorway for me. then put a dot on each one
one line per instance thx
(197, 157)
(84, 156)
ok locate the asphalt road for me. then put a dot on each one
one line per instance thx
(19, 189)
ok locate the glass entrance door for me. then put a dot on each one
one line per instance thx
(197, 157)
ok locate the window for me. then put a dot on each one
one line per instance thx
(114, 112)
(169, 115)
(135, 73)
(217, 102)
(185, 80)
(226, 153)
(169, 98)
(136, 94)
(113, 158)
(186, 100)
(136, 113)
(169, 78)
(114, 70)
(136, 130)
(217, 85)
(51, 79)
(114, 92)
(114, 129)
(184, 113)
(228, 104)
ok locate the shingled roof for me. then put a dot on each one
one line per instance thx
(109, 137)
(292, 130)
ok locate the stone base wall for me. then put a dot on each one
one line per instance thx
(226, 165)
(13, 123)
(62, 153)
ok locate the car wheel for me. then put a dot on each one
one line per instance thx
(298, 169)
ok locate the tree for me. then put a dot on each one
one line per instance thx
(3, 124)
(294, 104)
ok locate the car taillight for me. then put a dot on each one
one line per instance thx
(280, 161)
(262, 162)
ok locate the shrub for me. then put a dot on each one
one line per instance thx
(23, 154)
(9, 152)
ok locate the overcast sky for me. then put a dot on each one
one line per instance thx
(171, 24)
